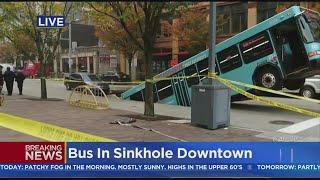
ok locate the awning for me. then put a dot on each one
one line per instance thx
(161, 54)
(169, 53)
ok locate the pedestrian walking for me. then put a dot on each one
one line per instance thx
(19, 79)
(9, 79)
(1, 80)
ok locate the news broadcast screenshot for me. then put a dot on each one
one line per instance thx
(159, 89)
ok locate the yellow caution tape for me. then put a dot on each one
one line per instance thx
(56, 79)
(244, 85)
(103, 82)
(274, 91)
(262, 99)
(47, 131)
(266, 89)
(230, 84)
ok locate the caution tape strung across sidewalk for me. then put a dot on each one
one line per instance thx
(46, 131)
(233, 85)
(103, 82)
(244, 85)
(233, 82)
(274, 91)
(262, 99)
(230, 84)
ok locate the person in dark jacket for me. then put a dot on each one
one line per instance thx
(1, 80)
(9, 79)
(19, 79)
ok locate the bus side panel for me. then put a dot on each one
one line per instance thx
(246, 71)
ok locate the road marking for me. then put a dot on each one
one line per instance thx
(301, 126)
(46, 131)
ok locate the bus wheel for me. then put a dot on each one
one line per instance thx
(294, 84)
(269, 78)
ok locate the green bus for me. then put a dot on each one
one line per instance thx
(279, 52)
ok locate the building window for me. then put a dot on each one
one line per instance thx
(223, 19)
(165, 30)
(232, 19)
(268, 9)
(113, 61)
(229, 59)
(256, 47)
(239, 17)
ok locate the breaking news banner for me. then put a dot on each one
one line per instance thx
(159, 159)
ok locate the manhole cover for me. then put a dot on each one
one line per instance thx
(281, 122)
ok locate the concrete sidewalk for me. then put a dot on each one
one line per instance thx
(246, 115)
(182, 112)
(98, 122)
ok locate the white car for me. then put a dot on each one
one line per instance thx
(310, 89)
(4, 67)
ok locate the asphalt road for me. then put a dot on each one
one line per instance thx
(289, 126)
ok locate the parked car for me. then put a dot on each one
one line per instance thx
(78, 79)
(110, 76)
(310, 89)
(114, 76)
(33, 69)
(124, 77)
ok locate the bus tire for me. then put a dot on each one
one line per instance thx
(269, 78)
(294, 84)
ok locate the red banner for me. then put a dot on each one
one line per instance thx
(32, 152)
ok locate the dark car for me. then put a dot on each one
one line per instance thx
(124, 77)
(114, 76)
(110, 76)
(77, 79)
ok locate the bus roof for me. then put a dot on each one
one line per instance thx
(262, 26)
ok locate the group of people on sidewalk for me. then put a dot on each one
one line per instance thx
(8, 77)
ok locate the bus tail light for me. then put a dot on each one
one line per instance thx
(274, 59)
(313, 53)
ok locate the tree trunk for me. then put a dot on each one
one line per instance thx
(43, 88)
(42, 78)
(148, 101)
(130, 63)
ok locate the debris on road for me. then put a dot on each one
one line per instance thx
(132, 120)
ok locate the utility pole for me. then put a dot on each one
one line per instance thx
(212, 37)
(210, 104)
(70, 44)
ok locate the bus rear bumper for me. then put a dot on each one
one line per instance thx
(314, 68)
(315, 65)
(309, 71)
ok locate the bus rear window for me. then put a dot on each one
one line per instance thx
(256, 47)
(313, 19)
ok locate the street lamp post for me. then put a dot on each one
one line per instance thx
(212, 37)
(211, 100)
(70, 44)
